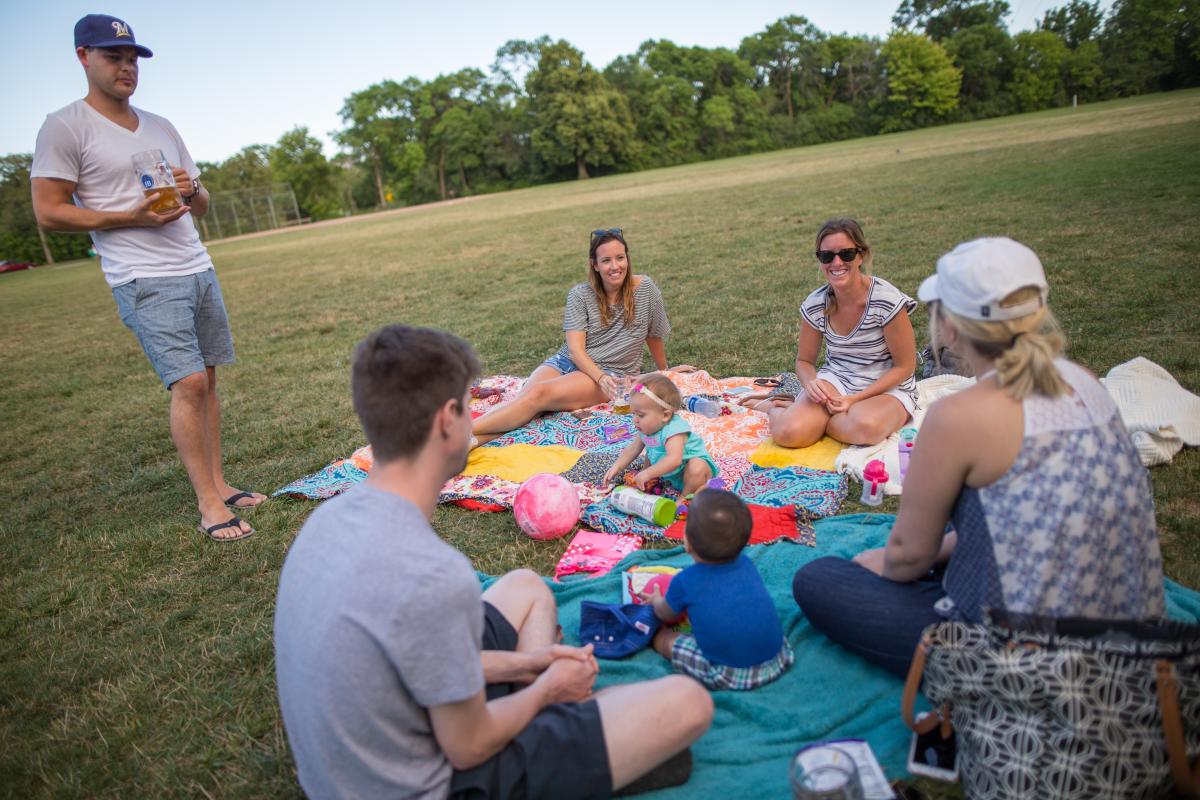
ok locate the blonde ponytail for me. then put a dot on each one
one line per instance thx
(1027, 365)
(1022, 350)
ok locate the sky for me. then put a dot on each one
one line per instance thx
(231, 73)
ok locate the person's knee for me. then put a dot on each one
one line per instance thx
(866, 431)
(794, 431)
(527, 582)
(539, 395)
(193, 386)
(812, 583)
(690, 702)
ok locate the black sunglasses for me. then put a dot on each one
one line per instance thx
(606, 232)
(847, 255)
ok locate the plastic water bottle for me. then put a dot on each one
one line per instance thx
(874, 477)
(659, 510)
(908, 440)
(702, 406)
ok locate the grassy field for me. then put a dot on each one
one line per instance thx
(136, 655)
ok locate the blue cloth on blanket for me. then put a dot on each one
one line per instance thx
(827, 694)
(567, 429)
(329, 481)
(818, 490)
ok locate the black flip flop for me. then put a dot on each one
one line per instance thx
(231, 501)
(235, 522)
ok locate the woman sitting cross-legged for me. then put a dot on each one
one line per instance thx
(1051, 508)
(608, 321)
(865, 390)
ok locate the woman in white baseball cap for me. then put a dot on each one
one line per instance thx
(1048, 507)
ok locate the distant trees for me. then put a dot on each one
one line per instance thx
(922, 81)
(542, 113)
(20, 237)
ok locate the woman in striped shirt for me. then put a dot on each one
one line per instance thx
(865, 390)
(608, 321)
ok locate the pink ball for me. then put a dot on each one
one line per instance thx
(546, 506)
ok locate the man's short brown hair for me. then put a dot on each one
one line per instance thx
(399, 379)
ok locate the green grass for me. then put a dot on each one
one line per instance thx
(136, 655)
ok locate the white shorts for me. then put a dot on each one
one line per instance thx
(907, 400)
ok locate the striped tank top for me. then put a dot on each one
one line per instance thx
(860, 357)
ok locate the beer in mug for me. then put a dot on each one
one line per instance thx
(157, 180)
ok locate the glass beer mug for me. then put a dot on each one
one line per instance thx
(157, 180)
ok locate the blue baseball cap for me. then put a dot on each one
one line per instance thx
(101, 30)
(616, 631)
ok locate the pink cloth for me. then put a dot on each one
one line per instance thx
(596, 553)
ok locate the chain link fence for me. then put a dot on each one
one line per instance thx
(258, 208)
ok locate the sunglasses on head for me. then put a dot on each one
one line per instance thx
(606, 232)
(847, 255)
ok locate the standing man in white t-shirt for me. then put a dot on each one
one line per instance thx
(160, 274)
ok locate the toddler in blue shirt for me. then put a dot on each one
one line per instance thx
(736, 640)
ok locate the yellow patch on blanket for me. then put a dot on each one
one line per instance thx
(821, 455)
(516, 462)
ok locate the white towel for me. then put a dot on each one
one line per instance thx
(1160, 414)
(854, 459)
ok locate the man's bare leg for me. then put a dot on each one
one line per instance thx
(190, 432)
(647, 723)
(214, 438)
(528, 604)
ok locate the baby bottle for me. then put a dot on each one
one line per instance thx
(874, 477)
(908, 439)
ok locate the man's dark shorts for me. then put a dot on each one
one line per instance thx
(560, 754)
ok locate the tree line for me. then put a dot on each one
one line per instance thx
(542, 113)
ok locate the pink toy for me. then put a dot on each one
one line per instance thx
(546, 506)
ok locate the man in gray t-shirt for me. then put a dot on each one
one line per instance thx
(396, 676)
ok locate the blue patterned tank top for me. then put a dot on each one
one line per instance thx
(1069, 530)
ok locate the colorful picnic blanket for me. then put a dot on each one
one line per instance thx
(818, 492)
(826, 694)
(578, 446)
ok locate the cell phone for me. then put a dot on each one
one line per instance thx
(932, 756)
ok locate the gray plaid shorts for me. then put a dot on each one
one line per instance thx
(687, 658)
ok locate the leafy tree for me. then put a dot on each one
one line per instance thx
(578, 118)
(298, 159)
(922, 81)
(788, 57)
(454, 123)
(1152, 45)
(247, 168)
(20, 237)
(985, 54)
(941, 19)
(670, 88)
(1083, 72)
(851, 72)
(1076, 22)
(1037, 76)
(380, 125)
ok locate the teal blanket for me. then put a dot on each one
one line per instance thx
(827, 694)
